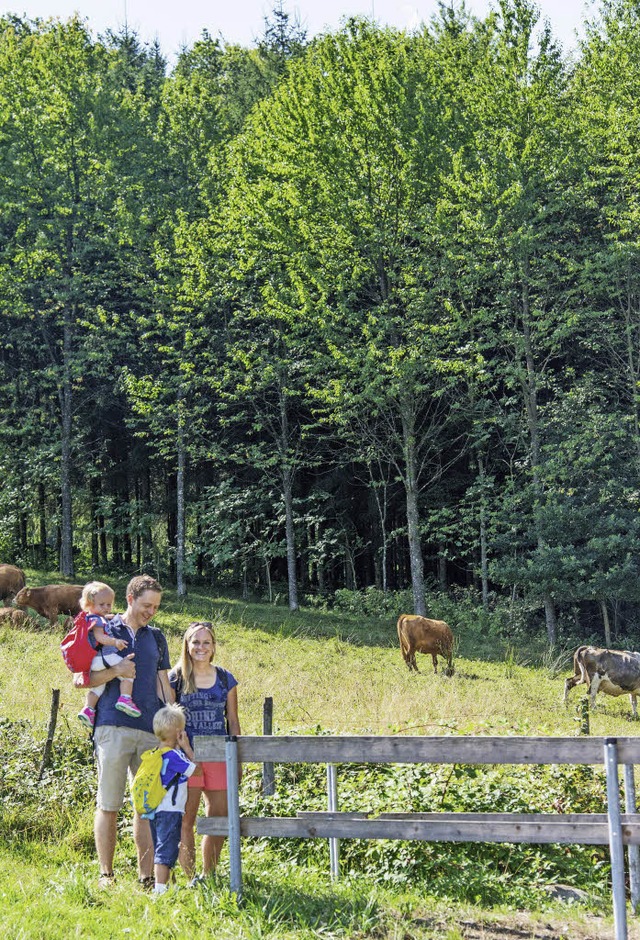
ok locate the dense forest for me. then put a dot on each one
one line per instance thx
(354, 311)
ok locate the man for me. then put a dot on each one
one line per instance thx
(119, 739)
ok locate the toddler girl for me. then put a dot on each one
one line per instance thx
(96, 601)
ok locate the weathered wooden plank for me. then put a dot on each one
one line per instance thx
(499, 817)
(447, 749)
(329, 814)
(451, 828)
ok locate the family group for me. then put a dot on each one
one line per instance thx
(136, 701)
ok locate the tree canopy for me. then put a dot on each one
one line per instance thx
(355, 311)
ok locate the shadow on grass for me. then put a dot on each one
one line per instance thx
(271, 618)
(282, 622)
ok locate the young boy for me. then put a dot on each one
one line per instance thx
(177, 767)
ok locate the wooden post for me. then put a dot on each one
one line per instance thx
(584, 715)
(233, 815)
(332, 806)
(268, 776)
(615, 839)
(633, 851)
(53, 718)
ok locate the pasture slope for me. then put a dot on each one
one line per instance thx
(325, 673)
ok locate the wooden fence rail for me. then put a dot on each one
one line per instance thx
(613, 828)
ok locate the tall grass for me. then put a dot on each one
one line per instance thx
(326, 671)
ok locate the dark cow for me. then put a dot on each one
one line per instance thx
(12, 580)
(13, 615)
(614, 672)
(51, 600)
(420, 635)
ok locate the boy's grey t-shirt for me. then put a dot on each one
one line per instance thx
(151, 656)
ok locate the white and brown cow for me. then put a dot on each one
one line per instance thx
(421, 635)
(614, 672)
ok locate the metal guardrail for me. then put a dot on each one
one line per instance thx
(613, 827)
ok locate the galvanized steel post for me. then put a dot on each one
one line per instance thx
(632, 850)
(233, 815)
(334, 844)
(615, 839)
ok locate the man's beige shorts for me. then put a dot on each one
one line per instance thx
(118, 752)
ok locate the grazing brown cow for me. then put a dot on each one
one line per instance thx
(13, 615)
(51, 600)
(420, 635)
(614, 672)
(12, 580)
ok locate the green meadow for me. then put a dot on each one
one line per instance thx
(326, 672)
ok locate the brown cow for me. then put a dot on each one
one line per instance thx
(12, 580)
(51, 600)
(420, 635)
(13, 615)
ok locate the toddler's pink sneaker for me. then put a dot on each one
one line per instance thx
(87, 716)
(126, 704)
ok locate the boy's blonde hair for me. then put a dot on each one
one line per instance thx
(169, 718)
(91, 590)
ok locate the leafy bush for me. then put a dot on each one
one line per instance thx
(372, 602)
(58, 807)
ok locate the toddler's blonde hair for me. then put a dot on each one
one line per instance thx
(169, 718)
(91, 590)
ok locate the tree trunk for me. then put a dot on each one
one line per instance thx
(66, 517)
(42, 520)
(290, 537)
(94, 485)
(267, 573)
(380, 494)
(413, 519)
(632, 368)
(287, 493)
(531, 406)
(484, 559)
(442, 567)
(171, 519)
(181, 589)
(607, 624)
(145, 498)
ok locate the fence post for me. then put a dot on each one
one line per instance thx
(584, 715)
(615, 839)
(332, 805)
(53, 719)
(633, 850)
(233, 815)
(268, 777)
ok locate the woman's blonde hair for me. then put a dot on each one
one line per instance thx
(185, 666)
(169, 718)
(91, 590)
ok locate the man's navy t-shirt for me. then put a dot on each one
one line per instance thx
(151, 656)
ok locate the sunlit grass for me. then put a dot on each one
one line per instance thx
(324, 672)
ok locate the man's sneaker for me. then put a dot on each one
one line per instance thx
(87, 716)
(128, 706)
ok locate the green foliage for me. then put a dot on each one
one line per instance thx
(380, 288)
(59, 807)
(485, 874)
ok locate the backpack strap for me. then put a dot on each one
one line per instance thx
(175, 780)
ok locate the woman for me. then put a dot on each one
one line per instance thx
(210, 698)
